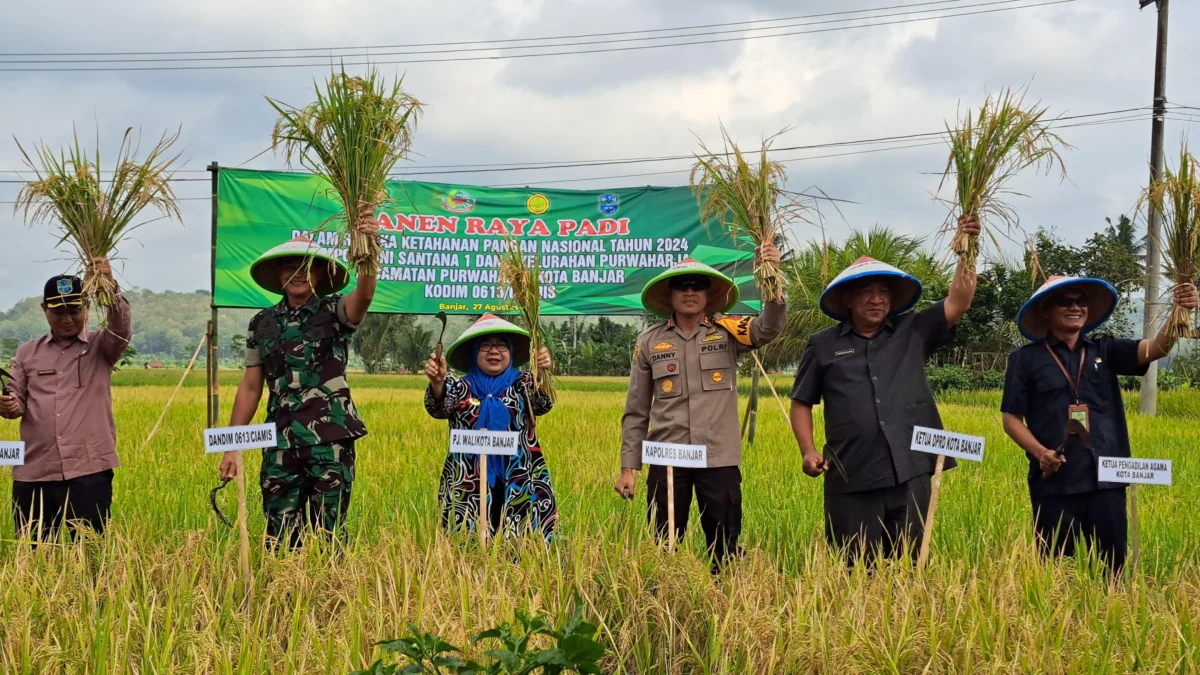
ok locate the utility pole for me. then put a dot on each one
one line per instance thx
(1149, 403)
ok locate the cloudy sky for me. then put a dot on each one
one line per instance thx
(1082, 56)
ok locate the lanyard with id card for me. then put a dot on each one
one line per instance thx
(1079, 410)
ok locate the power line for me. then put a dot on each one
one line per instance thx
(460, 59)
(571, 164)
(366, 52)
(473, 42)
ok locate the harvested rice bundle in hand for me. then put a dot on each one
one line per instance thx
(352, 135)
(1175, 195)
(987, 150)
(94, 214)
(523, 283)
(749, 198)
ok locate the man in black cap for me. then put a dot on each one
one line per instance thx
(61, 392)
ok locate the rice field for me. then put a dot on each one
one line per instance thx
(161, 592)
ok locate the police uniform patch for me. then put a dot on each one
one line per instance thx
(663, 346)
(740, 327)
(637, 349)
(717, 376)
(713, 336)
(668, 386)
(670, 367)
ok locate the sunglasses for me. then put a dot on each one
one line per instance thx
(498, 347)
(1065, 302)
(690, 284)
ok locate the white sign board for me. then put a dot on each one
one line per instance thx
(475, 442)
(948, 443)
(12, 453)
(1135, 470)
(250, 437)
(675, 454)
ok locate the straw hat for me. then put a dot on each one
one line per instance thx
(722, 296)
(461, 355)
(1101, 296)
(906, 289)
(265, 270)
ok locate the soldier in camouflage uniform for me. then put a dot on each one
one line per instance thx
(299, 349)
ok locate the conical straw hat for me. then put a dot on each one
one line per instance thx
(722, 297)
(1102, 300)
(265, 270)
(460, 355)
(905, 293)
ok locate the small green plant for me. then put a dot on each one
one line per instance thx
(574, 650)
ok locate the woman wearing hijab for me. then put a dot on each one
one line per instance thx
(496, 396)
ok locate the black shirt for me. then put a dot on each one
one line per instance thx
(875, 392)
(1036, 389)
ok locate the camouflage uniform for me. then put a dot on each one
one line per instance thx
(303, 352)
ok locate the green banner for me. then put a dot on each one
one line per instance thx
(440, 242)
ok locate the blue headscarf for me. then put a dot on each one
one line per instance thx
(493, 414)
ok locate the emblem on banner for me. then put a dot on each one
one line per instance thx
(663, 346)
(609, 203)
(458, 201)
(668, 386)
(717, 376)
(537, 204)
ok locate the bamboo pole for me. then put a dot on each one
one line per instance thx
(171, 399)
(485, 523)
(782, 408)
(752, 409)
(1133, 526)
(933, 502)
(670, 509)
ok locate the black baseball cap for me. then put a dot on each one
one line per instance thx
(63, 290)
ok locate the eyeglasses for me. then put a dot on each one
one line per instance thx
(1066, 302)
(498, 347)
(690, 284)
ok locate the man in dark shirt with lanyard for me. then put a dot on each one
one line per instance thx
(1062, 406)
(869, 370)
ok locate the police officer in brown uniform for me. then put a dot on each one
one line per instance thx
(683, 389)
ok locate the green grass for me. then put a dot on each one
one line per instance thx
(161, 593)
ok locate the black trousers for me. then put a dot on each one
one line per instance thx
(887, 521)
(44, 506)
(1098, 518)
(718, 496)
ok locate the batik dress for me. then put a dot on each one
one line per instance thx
(524, 500)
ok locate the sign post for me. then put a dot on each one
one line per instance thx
(237, 439)
(12, 453)
(943, 444)
(1134, 471)
(672, 455)
(483, 443)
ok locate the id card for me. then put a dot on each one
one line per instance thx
(1080, 414)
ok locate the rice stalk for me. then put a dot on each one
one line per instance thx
(987, 150)
(1175, 195)
(93, 214)
(352, 136)
(747, 198)
(520, 280)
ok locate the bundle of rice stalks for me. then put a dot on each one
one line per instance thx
(988, 149)
(747, 198)
(521, 281)
(1175, 195)
(352, 135)
(95, 214)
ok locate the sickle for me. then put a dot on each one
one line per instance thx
(212, 500)
(4, 375)
(441, 316)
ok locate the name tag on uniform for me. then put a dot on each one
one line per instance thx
(1134, 470)
(478, 442)
(251, 437)
(948, 443)
(12, 453)
(675, 454)
(47, 372)
(844, 352)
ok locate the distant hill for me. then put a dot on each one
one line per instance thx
(167, 325)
